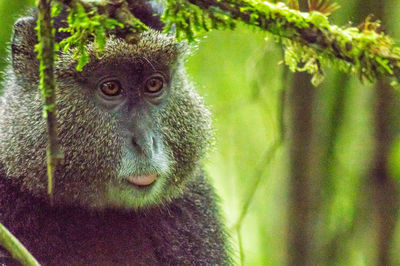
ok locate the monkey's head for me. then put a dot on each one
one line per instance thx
(130, 125)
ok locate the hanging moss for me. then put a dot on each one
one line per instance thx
(84, 25)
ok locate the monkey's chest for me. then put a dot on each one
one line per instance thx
(108, 242)
(73, 237)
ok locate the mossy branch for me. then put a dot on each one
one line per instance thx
(45, 51)
(16, 249)
(310, 40)
(94, 19)
(117, 10)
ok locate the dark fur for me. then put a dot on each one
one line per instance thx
(185, 232)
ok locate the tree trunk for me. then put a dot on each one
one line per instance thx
(384, 188)
(300, 184)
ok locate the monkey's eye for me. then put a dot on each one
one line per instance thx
(111, 88)
(154, 84)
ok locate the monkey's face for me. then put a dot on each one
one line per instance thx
(130, 125)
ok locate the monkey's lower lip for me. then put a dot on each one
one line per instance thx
(142, 180)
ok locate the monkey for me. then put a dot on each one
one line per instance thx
(133, 130)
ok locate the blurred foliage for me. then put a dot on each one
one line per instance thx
(240, 74)
(9, 12)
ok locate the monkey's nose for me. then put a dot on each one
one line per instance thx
(144, 144)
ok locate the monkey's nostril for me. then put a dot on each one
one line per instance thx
(134, 143)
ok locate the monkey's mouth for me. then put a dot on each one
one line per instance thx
(142, 180)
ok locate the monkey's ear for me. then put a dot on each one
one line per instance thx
(23, 41)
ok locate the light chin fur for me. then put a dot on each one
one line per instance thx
(123, 195)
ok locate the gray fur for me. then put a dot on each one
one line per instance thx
(90, 189)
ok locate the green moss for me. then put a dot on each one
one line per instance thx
(318, 19)
(190, 21)
(312, 41)
(82, 26)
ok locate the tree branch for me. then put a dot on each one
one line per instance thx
(114, 9)
(312, 40)
(45, 49)
(16, 249)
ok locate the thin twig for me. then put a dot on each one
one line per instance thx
(16, 249)
(47, 86)
(240, 242)
(269, 154)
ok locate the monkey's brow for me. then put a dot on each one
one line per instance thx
(148, 61)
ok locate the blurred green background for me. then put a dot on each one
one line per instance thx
(352, 202)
